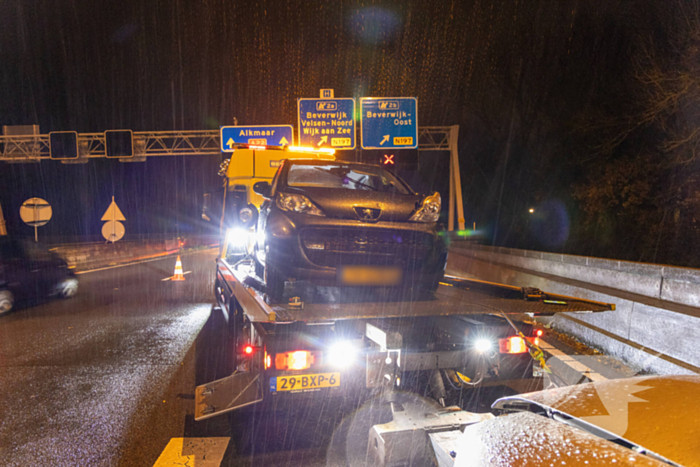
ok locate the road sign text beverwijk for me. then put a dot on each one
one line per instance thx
(327, 123)
(389, 123)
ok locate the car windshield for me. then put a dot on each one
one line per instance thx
(344, 176)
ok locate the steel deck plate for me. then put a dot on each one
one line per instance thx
(458, 297)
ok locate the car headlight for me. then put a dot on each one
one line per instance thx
(245, 214)
(297, 203)
(430, 209)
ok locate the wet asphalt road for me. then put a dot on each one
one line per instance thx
(107, 379)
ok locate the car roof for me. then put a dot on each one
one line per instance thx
(655, 412)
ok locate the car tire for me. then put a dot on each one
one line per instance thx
(7, 301)
(68, 288)
(274, 285)
(259, 268)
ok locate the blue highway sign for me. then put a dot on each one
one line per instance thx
(327, 123)
(259, 135)
(389, 122)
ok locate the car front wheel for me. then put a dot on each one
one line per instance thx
(7, 301)
(69, 288)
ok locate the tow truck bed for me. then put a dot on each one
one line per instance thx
(383, 338)
(455, 296)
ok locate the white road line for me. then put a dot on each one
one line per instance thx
(571, 361)
(144, 261)
(169, 278)
(125, 264)
(199, 452)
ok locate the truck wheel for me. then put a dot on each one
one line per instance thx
(7, 301)
(274, 285)
(69, 288)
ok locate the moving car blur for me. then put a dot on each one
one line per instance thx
(29, 270)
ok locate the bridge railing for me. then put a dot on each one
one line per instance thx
(657, 317)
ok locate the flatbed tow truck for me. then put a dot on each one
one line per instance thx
(462, 335)
(328, 344)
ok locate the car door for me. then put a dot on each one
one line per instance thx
(43, 266)
(16, 268)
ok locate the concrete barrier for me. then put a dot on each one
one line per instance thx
(656, 320)
(88, 256)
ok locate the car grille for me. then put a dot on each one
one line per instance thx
(351, 246)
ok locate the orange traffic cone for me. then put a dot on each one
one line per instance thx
(179, 276)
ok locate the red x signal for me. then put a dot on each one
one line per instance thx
(388, 159)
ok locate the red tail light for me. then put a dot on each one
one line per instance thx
(248, 350)
(539, 332)
(295, 360)
(515, 344)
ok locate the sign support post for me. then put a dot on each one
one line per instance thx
(456, 185)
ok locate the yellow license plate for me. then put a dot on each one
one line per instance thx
(403, 140)
(302, 382)
(362, 275)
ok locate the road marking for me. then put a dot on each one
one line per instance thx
(126, 264)
(199, 452)
(571, 362)
(158, 258)
(168, 278)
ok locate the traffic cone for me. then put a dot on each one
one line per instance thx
(179, 276)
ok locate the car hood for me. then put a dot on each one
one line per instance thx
(341, 203)
(655, 412)
(528, 440)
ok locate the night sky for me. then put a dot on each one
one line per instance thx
(519, 77)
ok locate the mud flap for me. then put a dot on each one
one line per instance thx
(227, 394)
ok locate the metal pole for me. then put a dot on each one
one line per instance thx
(114, 222)
(451, 215)
(3, 227)
(36, 233)
(454, 156)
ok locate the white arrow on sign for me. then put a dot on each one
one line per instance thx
(113, 213)
(230, 143)
(113, 230)
(384, 140)
(284, 142)
(324, 139)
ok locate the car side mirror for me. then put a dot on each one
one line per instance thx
(263, 189)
